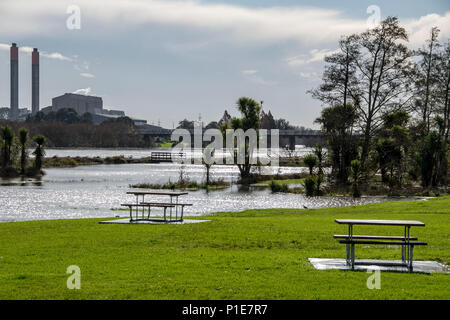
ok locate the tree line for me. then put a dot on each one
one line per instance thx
(65, 128)
(267, 121)
(387, 108)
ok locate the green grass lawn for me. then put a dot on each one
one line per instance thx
(255, 254)
(167, 144)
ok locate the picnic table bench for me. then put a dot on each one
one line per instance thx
(172, 205)
(406, 241)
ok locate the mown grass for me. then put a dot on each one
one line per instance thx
(167, 144)
(255, 254)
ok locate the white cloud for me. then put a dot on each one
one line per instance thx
(233, 22)
(55, 55)
(310, 75)
(252, 75)
(29, 50)
(248, 72)
(87, 75)
(315, 55)
(419, 29)
(84, 91)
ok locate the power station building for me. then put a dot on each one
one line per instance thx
(88, 104)
(80, 103)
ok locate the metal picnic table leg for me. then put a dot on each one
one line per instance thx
(170, 203)
(137, 205)
(404, 248)
(409, 247)
(411, 258)
(348, 246)
(143, 208)
(176, 207)
(353, 256)
(352, 247)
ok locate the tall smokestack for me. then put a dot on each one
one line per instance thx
(14, 111)
(35, 82)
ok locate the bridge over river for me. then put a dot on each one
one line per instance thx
(289, 138)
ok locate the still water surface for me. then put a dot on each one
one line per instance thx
(91, 191)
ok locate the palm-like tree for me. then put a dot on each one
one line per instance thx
(7, 137)
(39, 152)
(23, 138)
(311, 161)
(318, 151)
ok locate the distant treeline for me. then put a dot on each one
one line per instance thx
(120, 133)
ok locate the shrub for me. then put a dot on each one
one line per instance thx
(115, 160)
(356, 171)
(278, 187)
(309, 186)
(319, 180)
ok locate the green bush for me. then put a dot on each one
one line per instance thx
(355, 172)
(309, 185)
(115, 160)
(278, 187)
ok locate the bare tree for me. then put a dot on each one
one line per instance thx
(339, 75)
(443, 92)
(426, 78)
(383, 70)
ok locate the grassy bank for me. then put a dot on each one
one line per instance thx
(266, 183)
(184, 185)
(70, 162)
(255, 254)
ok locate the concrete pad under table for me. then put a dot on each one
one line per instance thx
(340, 264)
(127, 221)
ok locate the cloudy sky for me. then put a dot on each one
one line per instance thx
(172, 59)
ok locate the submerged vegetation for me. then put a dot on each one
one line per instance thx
(184, 185)
(14, 156)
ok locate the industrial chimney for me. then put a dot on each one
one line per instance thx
(35, 82)
(14, 111)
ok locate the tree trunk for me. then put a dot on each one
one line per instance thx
(23, 160)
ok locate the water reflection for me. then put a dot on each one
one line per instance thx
(142, 153)
(91, 191)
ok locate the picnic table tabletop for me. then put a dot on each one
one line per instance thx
(163, 193)
(381, 222)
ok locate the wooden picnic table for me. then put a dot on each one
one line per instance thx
(171, 205)
(406, 241)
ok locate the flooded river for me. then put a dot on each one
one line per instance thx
(92, 191)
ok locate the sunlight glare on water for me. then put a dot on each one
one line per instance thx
(91, 191)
